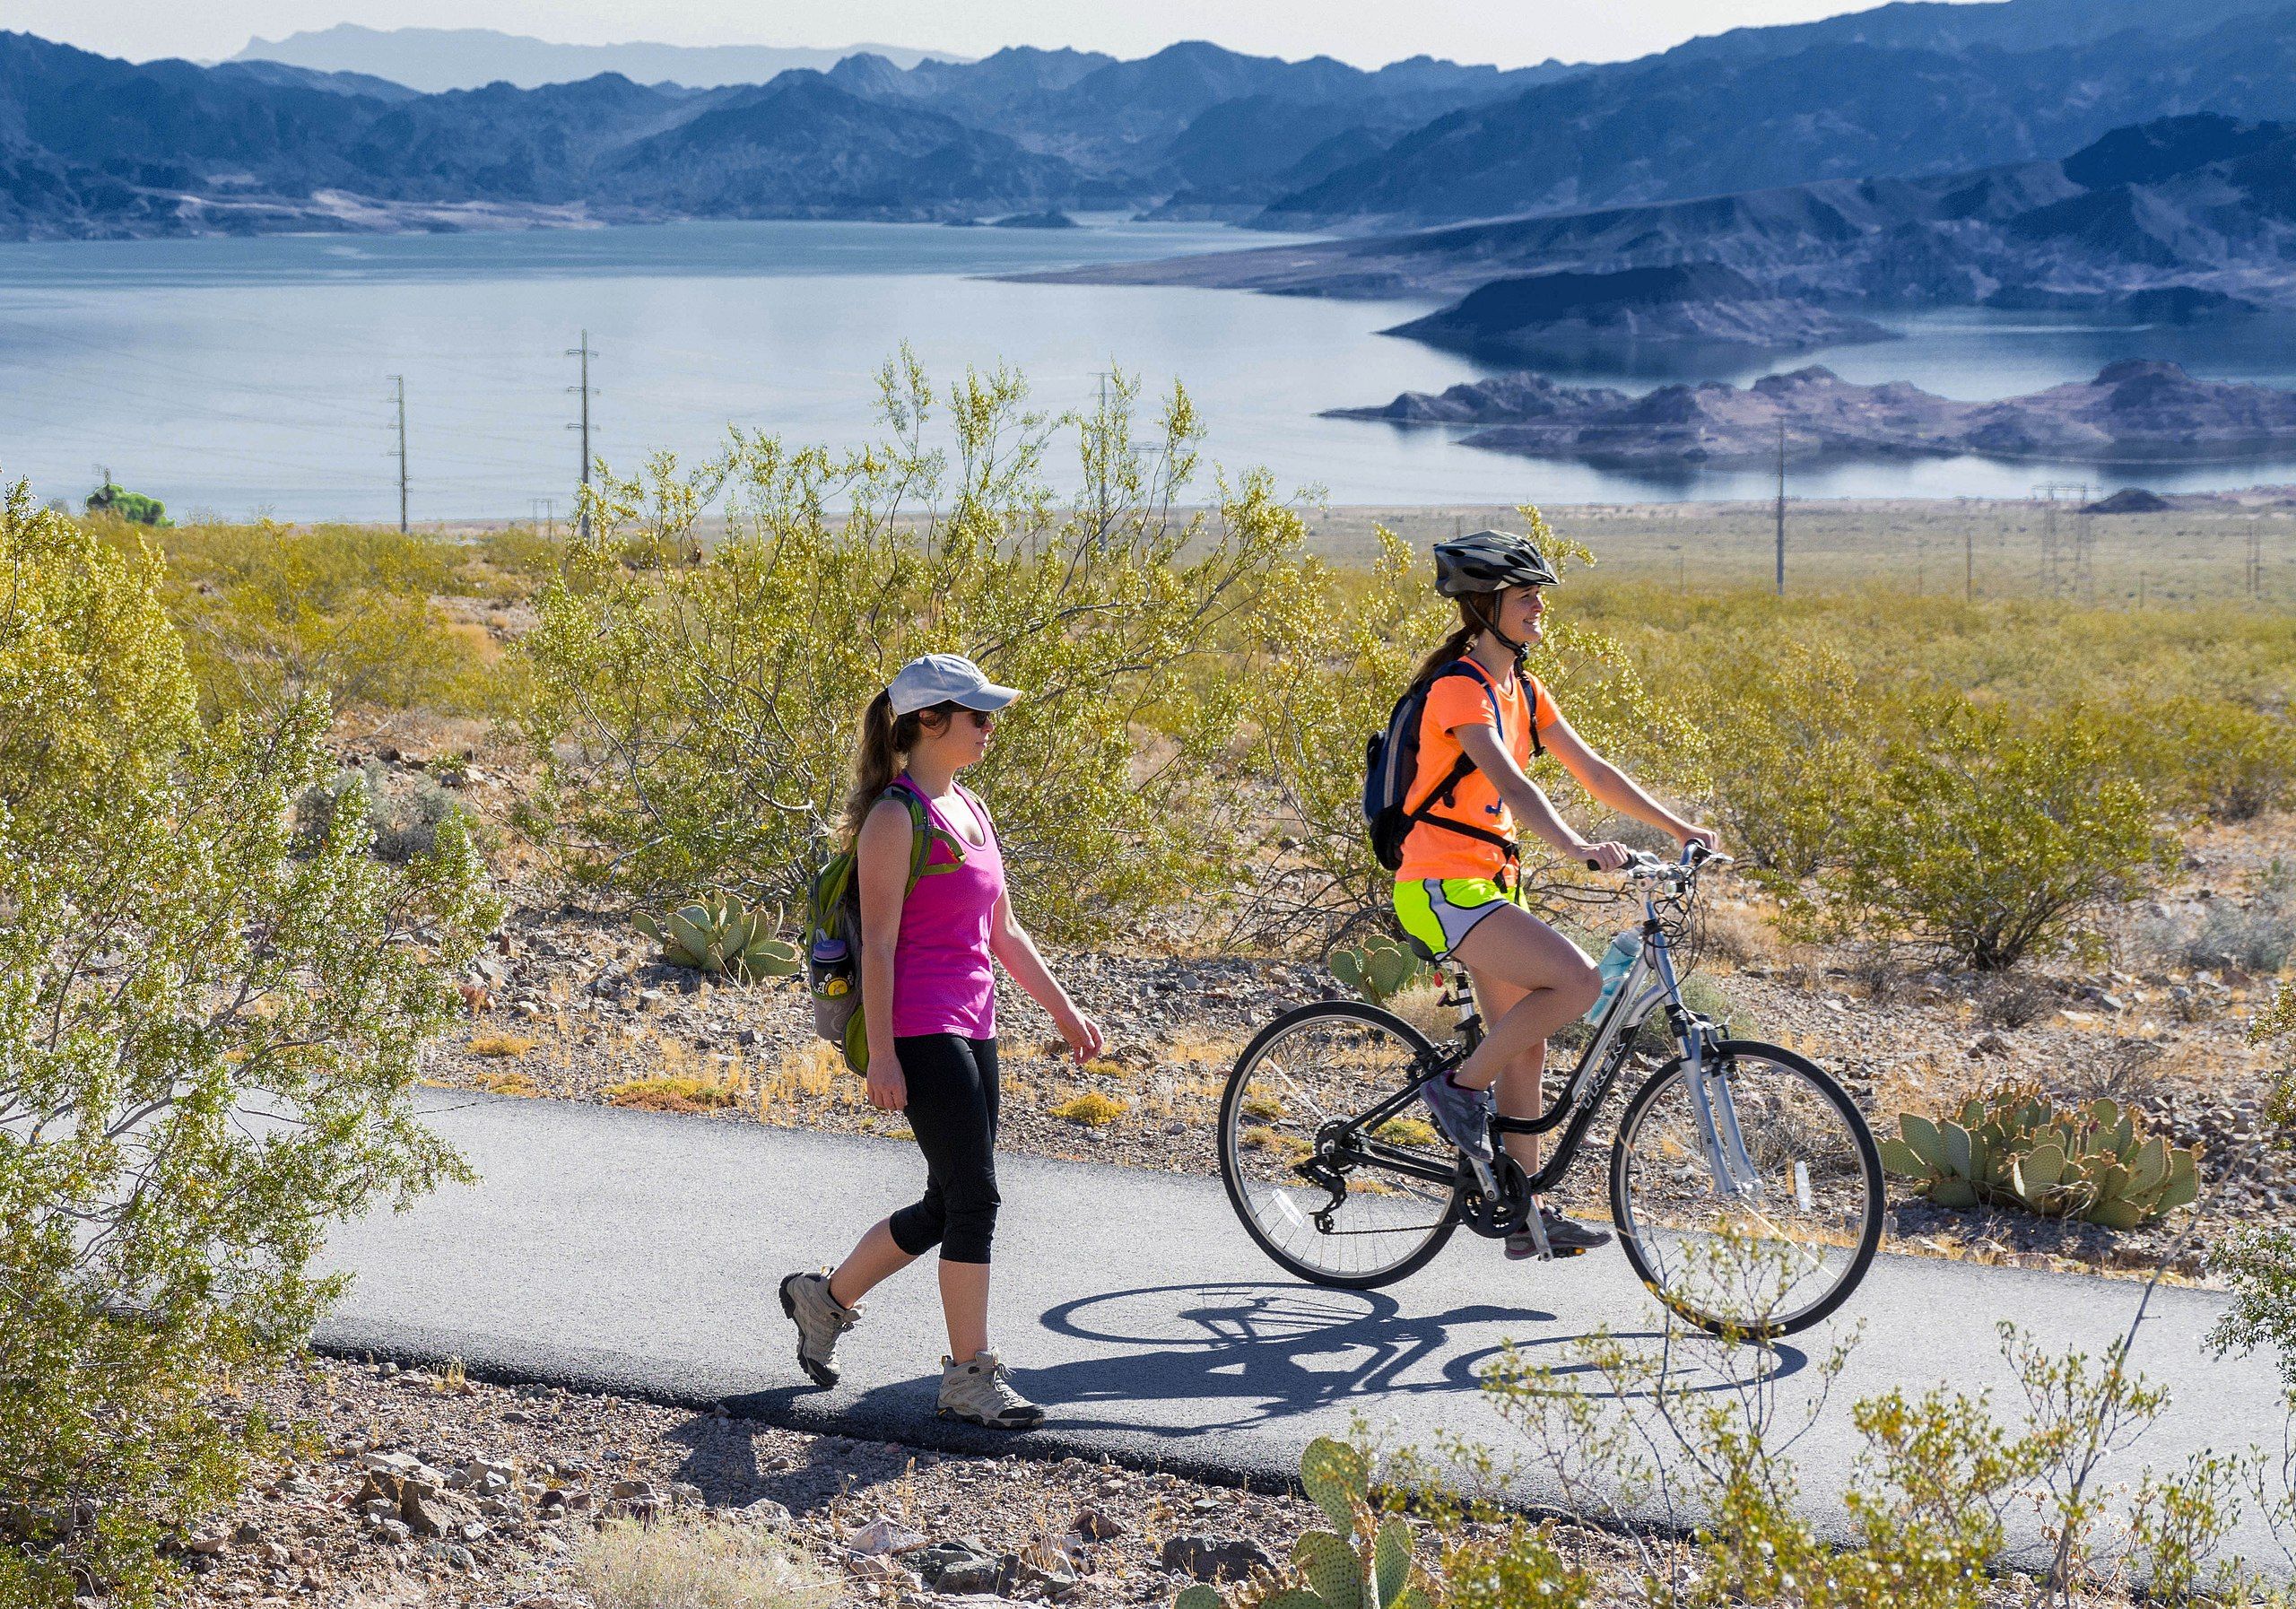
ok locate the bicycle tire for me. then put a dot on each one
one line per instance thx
(1233, 1172)
(1869, 1162)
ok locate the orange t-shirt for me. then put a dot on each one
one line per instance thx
(1462, 701)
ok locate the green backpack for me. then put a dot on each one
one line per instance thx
(833, 928)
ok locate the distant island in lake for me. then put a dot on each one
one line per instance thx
(1675, 306)
(2134, 412)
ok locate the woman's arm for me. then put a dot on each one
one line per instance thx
(882, 852)
(1608, 785)
(1010, 943)
(1528, 800)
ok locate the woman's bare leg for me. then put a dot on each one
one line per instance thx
(1550, 981)
(877, 1258)
(1521, 1088)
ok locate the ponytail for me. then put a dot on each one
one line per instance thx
(1476, 617)
(877, 752)
(875, 758)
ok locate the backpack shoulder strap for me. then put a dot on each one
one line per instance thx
(923, 834)
(1443, 792)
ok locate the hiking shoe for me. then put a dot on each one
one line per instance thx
(1565, 1237)
(1463, 1117)
(821, 1319)
(979, 1391)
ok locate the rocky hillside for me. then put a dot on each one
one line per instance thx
(2132, 412)
(2201, 209)
(1698, 305)
(1907, 90)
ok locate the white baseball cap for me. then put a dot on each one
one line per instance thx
(945, 679)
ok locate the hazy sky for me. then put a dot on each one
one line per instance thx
(1366, 32)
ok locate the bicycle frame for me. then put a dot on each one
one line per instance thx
(1650, 984)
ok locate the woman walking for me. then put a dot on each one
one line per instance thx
(1459, 888)
(928, 996)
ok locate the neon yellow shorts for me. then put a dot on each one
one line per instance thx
(1438, 913)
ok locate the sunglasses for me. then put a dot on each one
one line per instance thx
(982, 720)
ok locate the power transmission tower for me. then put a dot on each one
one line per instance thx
(400, 380)
(1781, 507)
(2048, 492)
(583, 351)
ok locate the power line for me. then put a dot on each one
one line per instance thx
(584, 352)
(1781, 507)
(400, 380)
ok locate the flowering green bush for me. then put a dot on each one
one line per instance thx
(1988, 837)
(208, 1032)
(695, 703)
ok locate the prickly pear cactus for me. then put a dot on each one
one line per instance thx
(2013, 1148)
(1360, 1563)
(1380, 971)
(720, 936)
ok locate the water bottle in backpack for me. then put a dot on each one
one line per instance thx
(1617, 962)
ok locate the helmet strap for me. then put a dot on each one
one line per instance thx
(1488, 620)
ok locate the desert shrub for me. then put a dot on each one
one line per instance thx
(2260, 1263)
(684, 1560)
(403, 812)
(1696, 1431)
(2256, 936)
(132, 506)
(695, 716)
(1793, 739)
(522, 558)
(2012, 1002)
(270, 612)
(1989, 838)
(2212, 756)
(208, 1032)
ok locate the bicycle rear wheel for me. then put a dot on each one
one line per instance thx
(1304, 1075)
(1762, 1265)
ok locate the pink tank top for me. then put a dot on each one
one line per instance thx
(943, 975)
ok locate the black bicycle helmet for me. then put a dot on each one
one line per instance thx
(1490, 562)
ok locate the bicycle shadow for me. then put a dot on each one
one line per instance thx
(1253, 1353)
(1241, 1356)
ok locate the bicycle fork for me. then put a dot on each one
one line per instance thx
(1712, 1103)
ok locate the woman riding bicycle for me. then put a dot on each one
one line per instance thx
(927, 992)
(1459, 888)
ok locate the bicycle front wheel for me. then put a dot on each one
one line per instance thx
(1779, 1255)
(1306, 1075)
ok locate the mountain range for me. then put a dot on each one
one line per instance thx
(1901, 94)
(2177, 218)
(430, 59)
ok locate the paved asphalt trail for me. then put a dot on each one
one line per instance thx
(638, 1253)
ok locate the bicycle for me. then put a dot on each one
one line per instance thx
(1745, 1188)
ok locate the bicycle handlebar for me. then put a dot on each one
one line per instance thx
(1696, 857)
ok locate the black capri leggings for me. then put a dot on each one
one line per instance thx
(953, 1112)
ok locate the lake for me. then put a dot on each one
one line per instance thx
(235, 377)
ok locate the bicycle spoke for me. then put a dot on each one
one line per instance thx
(1310, 1073)
(1768, 1264)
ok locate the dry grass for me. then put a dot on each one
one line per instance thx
(675, 1094)
(1090, 1108)
(1204, 1050)
(499, 1044)
(686, 1561)
(507, 1081)
(1406, 1131)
